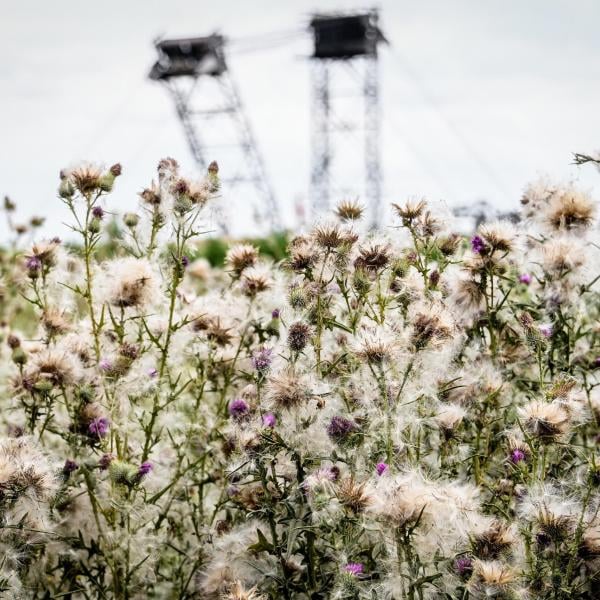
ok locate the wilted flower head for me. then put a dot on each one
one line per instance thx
(411, 210)
(495, 541)
(376, 346)
(329, 236)
(241, 257)
(303, 255)
(546, 420)
(237, 591)
(43, 254)
(349, 210)
(286, 390)
(373, 256)
(352, 495)
(55, 321)
(150, 196)
(86, 178)
(133, 283)
(491, 578)
(25, 473)
(50, 368)
(499, 236)
(254, 281)
(570, 208)
(431, 328)
(560, 256)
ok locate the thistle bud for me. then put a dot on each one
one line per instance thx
(36, 222)
(9, 205)
(122, 473)
(273, 325)
(13, 341)
(213, 176)
(95, 225)
(116, 170)
(34, 266)
(106, 182)
(18, 356)
(361, 282)
(43, 385)
(298, 336)
(131, 220)
(66, 189)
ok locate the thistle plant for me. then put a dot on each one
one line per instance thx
(398, 414)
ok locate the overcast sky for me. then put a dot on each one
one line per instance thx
(478, 97)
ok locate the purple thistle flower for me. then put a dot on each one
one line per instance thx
(547, 330)
(33, 264)
(463, 566)
(145, 468)
(70, 466)
(525, 278)
(152, 372)
(477, 245)
(98, 212)
(381, 468)
(238, 408)
(275, 313)
(185, 261)
(340, 427)
(331, 473)
(517, 455)
(105, 461)
(262, 359)
(269, 420)
(354, 569)
(99, 427)
(233, 490)
(105, 364)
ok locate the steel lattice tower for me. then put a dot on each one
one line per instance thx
(345, 42)
(188, 67)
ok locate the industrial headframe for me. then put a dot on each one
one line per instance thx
(195, 72)
(345, 42)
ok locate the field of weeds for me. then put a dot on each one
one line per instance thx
(399, 414)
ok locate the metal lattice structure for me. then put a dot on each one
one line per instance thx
(195, 72)
(349, 43)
